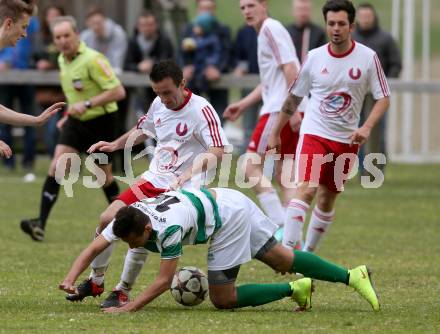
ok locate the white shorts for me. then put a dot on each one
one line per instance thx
(245, 229)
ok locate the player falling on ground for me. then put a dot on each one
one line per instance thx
(236, 230)
(278, 66)
(338, 76)
(185, 126)
(14, 19)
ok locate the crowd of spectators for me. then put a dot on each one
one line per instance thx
(205, 50)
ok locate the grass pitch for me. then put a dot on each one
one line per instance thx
(394, 229)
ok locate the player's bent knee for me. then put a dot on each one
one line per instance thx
(222, 302)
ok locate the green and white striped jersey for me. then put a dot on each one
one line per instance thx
(178, 218)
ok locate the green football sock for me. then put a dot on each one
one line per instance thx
(311, 265)
(259, 294)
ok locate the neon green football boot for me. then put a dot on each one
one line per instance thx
(360, 280)
(302, 293)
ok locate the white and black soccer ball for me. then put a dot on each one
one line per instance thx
(189, 286)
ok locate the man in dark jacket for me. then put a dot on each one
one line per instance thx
(148, 46)
(245, 61)
(369, 33)
(305, 34)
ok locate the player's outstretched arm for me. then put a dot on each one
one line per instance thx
(82, 262)
(12, 117)
(5, 150)
(134, 137)
(161, 284)
(234, 110)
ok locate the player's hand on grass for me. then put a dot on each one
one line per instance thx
(102, 146)
(68, 287)
(360, 136)
(5, 150)
(233, 111)
(129, 307)
(48, 113)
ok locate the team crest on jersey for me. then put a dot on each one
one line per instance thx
(335, 104)
(355, 73)
(158, 123)
(182, 130)
(324, 70)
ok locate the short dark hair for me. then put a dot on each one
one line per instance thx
(367, 5)
(129, 220)
(337, 6)
(166, 69)
(148, 13)
(45, 28)
(14, 9)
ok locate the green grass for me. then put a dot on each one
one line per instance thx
(394, 229)
(229, 12)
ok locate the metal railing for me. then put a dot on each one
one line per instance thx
(400, 120)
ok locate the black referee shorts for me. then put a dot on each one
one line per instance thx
(81, 135)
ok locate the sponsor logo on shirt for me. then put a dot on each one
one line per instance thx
(335, 104)
(166, 159)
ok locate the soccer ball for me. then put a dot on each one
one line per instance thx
(189, 286)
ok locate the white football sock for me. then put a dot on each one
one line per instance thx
(296, 213)
(100, 264)
(271, 204)
(320, 222)
(134, 261)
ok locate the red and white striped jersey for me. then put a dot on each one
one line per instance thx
(181, 134)
(338, 85)
(275, 48)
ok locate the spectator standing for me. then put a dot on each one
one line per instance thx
(369, 33)
(46, 59)
(218, 97)
(148, 46)
(106, 36)
(20, 58)
(245, 61)
(305, 34)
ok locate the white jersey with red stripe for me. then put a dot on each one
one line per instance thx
(338, 85)
(182, 135)
(275, 48)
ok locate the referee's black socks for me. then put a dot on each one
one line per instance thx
(49, 196)
(111, 191)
